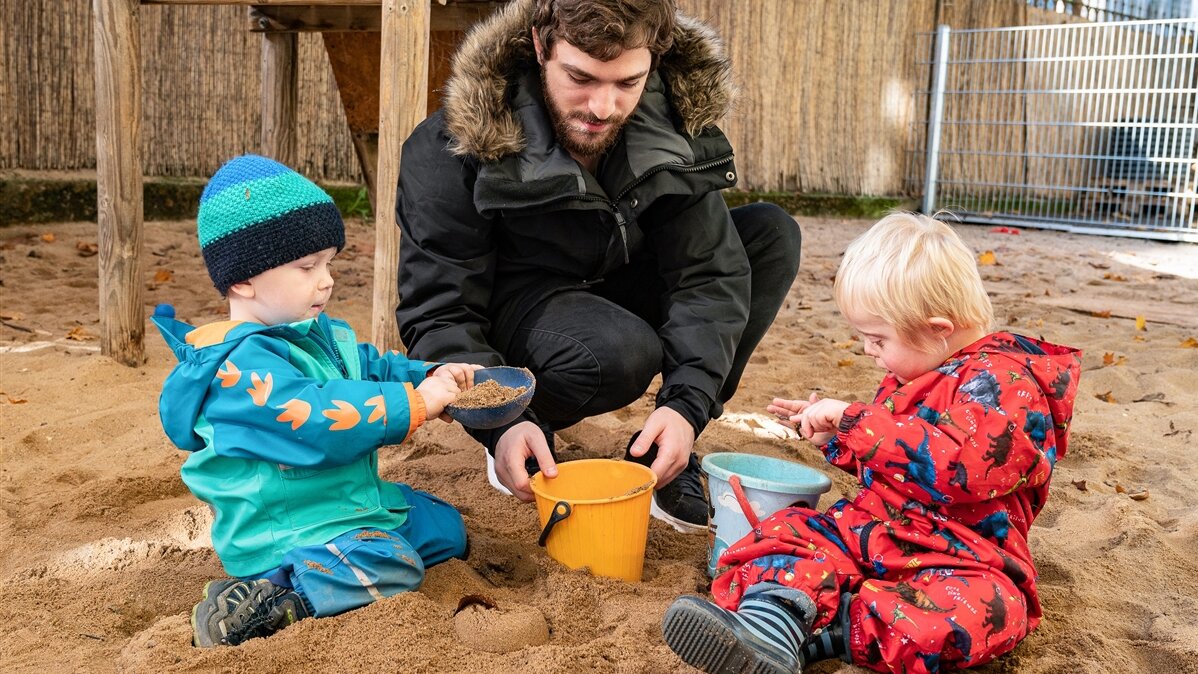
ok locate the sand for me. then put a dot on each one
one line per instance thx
(104, 551)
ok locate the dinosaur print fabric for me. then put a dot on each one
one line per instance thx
(953, 466)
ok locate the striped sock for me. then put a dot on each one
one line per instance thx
(770, 619)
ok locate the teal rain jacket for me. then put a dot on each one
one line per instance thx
(283, 423)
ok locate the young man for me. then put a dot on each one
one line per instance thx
(562, 213)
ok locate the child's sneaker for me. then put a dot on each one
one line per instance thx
(762, 637)
(233, 611)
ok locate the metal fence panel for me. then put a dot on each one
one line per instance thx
(1087, 127)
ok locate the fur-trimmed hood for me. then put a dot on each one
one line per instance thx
(478, 113)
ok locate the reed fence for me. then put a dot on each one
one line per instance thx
(829, 88)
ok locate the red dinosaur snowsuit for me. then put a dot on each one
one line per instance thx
(954, 466)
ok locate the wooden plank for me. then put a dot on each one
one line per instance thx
(119, 179)
(403, 79)
(280, 96)
(324, 19)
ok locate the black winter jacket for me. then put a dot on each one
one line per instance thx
(495, 216)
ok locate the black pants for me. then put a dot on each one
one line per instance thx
(594, 352)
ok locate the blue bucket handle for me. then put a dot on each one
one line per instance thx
(561, 510)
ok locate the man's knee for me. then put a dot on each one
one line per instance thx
(765, 229)
(608, 369)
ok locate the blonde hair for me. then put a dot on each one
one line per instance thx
(909, 268)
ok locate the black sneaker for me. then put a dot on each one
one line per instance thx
(233, 611)
(683, 502)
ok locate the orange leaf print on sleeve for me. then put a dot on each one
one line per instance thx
(260, 388)
(228, 376)
(380, 409)
(345, 417)
(296, 411)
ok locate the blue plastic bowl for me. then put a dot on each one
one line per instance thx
(494, 417)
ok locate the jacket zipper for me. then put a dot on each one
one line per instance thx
(711, 163)
(330, 350)
(614, 204)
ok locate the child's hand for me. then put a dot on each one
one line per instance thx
(788, 411)
(461, 373)
(820, 420)
(438, 391)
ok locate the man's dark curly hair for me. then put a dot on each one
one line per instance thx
(605, 28)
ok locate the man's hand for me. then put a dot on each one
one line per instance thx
(675, 438)
(520, 442)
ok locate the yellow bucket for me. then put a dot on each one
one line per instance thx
(595, 513)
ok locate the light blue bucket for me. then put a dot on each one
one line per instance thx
(765, 485)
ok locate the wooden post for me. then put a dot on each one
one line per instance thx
(119, 179)
(280, 95)
(403, 99)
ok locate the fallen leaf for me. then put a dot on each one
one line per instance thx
(1139, 495)
(1120, 489)
(78, 334)
(1138, 338)
(16, 401)
(1113, 277)
(1110, 359)
(86, 248)
(1101, 314)
(1141, 324)
(1081, 485)
(987, 259)
(163, 276)
(48, 237)
(1189, 343)
(844, 362)
(1173, 430)
(1105, 397)
(1152, 398)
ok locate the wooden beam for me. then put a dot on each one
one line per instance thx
(375, 3)
(403, 79)
(324, 19)
(280, 96)
(119, 179)
(355, 62)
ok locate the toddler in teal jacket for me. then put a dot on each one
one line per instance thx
(283, 411)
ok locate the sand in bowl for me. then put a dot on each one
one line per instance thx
(489, 393)
(485, 626)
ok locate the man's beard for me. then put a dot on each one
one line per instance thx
(576, 142)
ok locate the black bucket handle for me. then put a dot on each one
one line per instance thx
(561, 510)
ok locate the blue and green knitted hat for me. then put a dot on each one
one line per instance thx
(256, 214)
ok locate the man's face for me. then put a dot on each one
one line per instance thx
(590, 100)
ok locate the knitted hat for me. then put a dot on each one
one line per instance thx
(256, 214)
